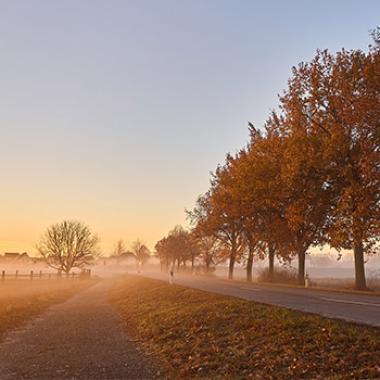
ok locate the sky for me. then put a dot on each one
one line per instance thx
(114, 113)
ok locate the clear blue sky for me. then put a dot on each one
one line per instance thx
(114, 112)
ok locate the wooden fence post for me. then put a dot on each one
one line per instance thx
(16, 274)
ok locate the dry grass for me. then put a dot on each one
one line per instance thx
(280, 276)
(345, 283)
(195, 334)
(22, 299)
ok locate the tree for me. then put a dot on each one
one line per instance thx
(354, 117)
(119, 248)
(141, 253)
(178, 247)
(337, 97)
(208, 250)
(257, 182)
(68, 245)
(192, 248)
(216, 214)
(305, 182)
(230, 179)
(161, 248)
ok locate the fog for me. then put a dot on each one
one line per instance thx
(318, 266)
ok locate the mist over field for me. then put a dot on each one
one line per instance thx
(319, 265)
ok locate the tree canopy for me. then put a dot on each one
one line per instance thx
(310, 176)
(67, 245)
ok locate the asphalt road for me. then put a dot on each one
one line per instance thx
(360, 308)
(82, 338)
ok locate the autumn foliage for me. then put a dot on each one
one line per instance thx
(310, 176)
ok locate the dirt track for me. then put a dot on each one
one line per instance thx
(81, 338)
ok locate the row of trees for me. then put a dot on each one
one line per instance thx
(181, 246)
(310, 177)
(139, 252)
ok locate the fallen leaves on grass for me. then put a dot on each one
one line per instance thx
(196, 334)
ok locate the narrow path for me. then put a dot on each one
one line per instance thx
(81, 338)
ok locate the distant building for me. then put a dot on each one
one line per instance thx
(11, 255)
(24, 257)
(16, 256)
(127, 255)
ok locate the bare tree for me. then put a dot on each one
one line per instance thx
(119, 248)
(68, 245)
(141, 253)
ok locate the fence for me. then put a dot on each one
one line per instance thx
(16, 275)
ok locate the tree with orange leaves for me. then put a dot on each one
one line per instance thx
(313, 176)
(257, 187)
(217, 214)
(336, 98)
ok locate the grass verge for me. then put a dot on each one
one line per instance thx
(195, 334)
(23, 299)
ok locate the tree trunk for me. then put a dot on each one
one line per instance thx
(250, 265)
(301, 267)
(271, 263)
(360, 281)
(192, 263)
(207, 264)
(232, 262)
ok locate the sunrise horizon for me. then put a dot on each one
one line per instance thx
(124, 141)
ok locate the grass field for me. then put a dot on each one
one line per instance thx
(22, 299)
(195, 334)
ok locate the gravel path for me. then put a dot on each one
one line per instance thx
(81, 338)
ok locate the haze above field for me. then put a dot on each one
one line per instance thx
(114, 113)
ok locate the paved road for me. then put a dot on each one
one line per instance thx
(81, 338)
(359, 308)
